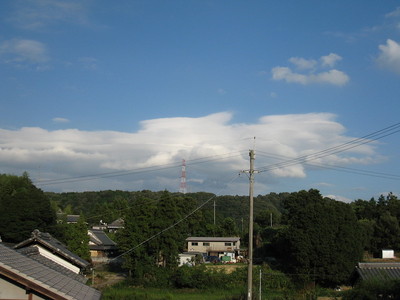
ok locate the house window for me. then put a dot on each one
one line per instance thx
(206, 244)
(195, 243)
(228, 244)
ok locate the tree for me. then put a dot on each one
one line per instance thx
(23, 208)
(168, 242)
(138, 256)
(322, 238)
(387, 233)
(77, 238)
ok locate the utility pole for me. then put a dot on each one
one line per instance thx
(214, 212)
(251, 191)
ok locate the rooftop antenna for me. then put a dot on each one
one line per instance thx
(182, 188)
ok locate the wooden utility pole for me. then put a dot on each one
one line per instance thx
(251, 191)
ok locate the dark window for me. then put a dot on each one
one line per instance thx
(228, 244)
(206, 244)
(195, 243)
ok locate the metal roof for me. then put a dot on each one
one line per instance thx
(42, 279)
(379, 271)
(212, 239)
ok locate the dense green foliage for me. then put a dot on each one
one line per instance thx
(321, 241)
(110, 205)
(371, 290)
(23, 208)
(314, 238)
(75, 237)
(380, 221)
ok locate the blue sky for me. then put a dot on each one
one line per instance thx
(130, 88)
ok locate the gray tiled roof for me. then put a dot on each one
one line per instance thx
(101, 241)
(47, 241)
(212, 239)
(118, 223)
(41, 278)
(379, 271)
(33, 252)
(99, 237)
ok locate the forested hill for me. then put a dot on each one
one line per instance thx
(110, 205)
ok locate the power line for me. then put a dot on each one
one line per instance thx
(174, 224)
(336, 168)
(390, 130)
(136, 171)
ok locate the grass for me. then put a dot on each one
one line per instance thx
(122, 293)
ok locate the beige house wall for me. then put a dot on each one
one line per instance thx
(8, 290)
(209, 246)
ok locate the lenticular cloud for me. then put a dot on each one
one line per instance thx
(214, 144)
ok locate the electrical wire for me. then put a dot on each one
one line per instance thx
(137, 171)
(337, 168)
(174, 224)
(369, 138)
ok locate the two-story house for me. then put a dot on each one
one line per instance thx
(214, 246)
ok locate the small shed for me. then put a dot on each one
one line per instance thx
(387, 253)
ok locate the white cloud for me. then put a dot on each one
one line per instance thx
(330, 60)
(339, 198)
(334, 76)
(60, 120)
(23, 51)
(312, 76)
(215, 149)
(302, 63)
(389, 57)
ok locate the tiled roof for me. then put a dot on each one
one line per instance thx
(99, 237)
(42, 279)
(118, 223)
(212, 239)
(100, 240)
(379, 271)
(33, 252)
(73, 218)
(46, 240)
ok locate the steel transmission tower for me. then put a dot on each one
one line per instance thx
(182, 188)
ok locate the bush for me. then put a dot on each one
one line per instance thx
(200, 277)
(374, 289)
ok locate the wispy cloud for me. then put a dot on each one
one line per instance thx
(161, 142)
(88, 63)
(40, 14)
(221, 91)
(394, 14)
(60, 120)
(23, 52)
(312, 71)
(389, 56)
